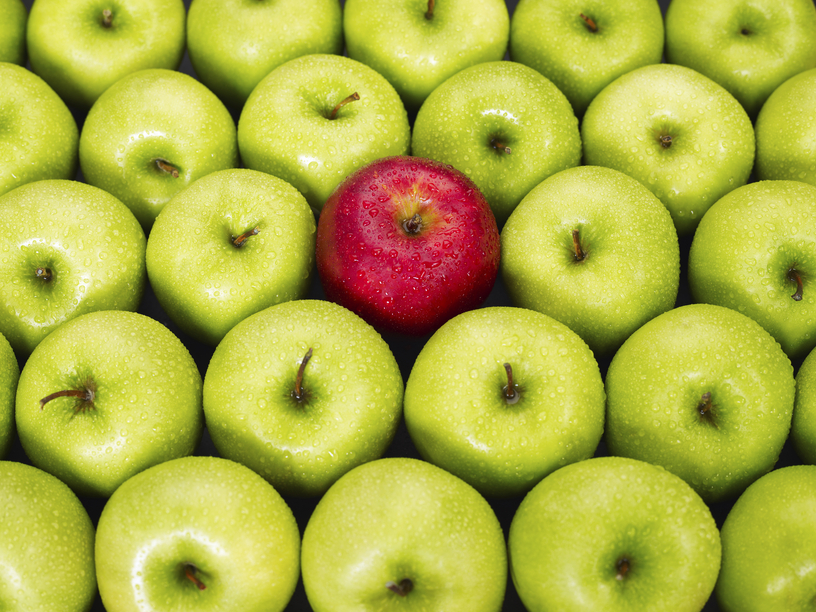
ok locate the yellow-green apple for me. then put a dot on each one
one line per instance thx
(9, 374)
(13, 19)
(803, 425)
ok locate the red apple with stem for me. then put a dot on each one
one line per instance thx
(407, 243)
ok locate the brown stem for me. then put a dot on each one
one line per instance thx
(166, 166)
(240, 240)
(511, 396)
(351, 98)
(665, 141)
(593, 27)
(402, 589)
(576, 245)
(429, 13)
(413, 225)
(500, 146)
(623, 565)
(86, 395)
(44, 274)
(705, 403)
(298, 394)
(107, 18)
(795, 277)
(190, 572)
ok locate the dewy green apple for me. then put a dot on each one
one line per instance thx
(13, 18)
(9, 374)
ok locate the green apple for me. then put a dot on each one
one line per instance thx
(769, 545)
(197, 533)
(105, 396)
(614, 534)
(755, 252)
(13, 18)
(82, 47)
(234, 44)
(502, 124)
(151, 135)
(706, 393)
(318, 118)
(803, 425)
(246, 240)
(582, 46)
(38, 134)
(302, 392)
(501, 397)
(786, 132)
(9, 374)
(418, 44)
(47, 558)
(677, 132)
(594, 249)
(750, 47)
(402, 534)
(68, 249)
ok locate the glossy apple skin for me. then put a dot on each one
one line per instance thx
(47, 559)
(402, 282)
(571, 530)
(803, 425)
(9, 374)
(212, 513)
(13, 18)
(769, 539)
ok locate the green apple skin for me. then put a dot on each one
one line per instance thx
(803, 425)
(711, 150)
(285, 129)
(750, 47)
(9, 375)
(458, 414)
(218, 519)
(233, 45)
(768, 543)
(417, 54)
(631, 267)
(227, 283)
(397, 519)
(47, 562)
(552, 37)
(146, 405)
(655, 388)
(148, 118)
(747, 252)
(468, 120)
(351, 384)
(39, 138)
(572, 532)
(13, 18)
(87, 241)
(786, 132)
(72, 49)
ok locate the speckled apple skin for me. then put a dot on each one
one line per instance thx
(9, 374)
(570, 531)
(499, 102)
(89, 240)
(655, 384)
(352, 380)
(13, 18)
(742, 252)
(712, 151)
(803, 425)
(786, 132)
(402, 518)
(147, 406)
(48, 544)
(285, 131)
(459, 419)
(397, 281)
(768, 540)
(210, 512)
(38, 135)
(551, 37)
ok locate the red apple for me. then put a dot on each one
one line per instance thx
(407, 243)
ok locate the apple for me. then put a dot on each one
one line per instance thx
(613, 534)
(82, 47)
(106, 396)
(786, 132)
(316, 119)
(233, 45)
(594, 249)
(13, 19)
(68, 249)
(750, 47)
(677, 132)
(151, 135)
(755, 252)
(246, 240)
(501, 397)
(301, 393)
(768, 543)
(417, 45)
(502, 124)
(407, 243)
(9, 374)
(583, 46)
(706, 393)
(39, 138)
(402, 534)
(199, 533)
(47, 558)
(803, 425)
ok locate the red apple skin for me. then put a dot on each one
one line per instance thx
(402, 282)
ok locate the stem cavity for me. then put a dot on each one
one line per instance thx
(706, 409)
(44, 274)
(166, 167)
(580, 254)
(299, 393)
(665, 140)
(107, 18)
(240, 240)
(794, 277)
(351, 98)
(402, 589)
(590, 23)
(191, 573)
(511, 394)
(413, 225)
(500, 146)
(622, 565)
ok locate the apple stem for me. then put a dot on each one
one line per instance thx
(240, 240)
(576, 245)
(44, 274)
(166, 166)
(402, 589)
(666, 141)
(499, 146)
(622, 565)
(705, 408)
(511, 396)
(413, 225)
(351, 98)
(190, 571)
(298, 393)
(429, 13)
(86, 395)
(593, 27)
(795, 277)
(107, 18)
